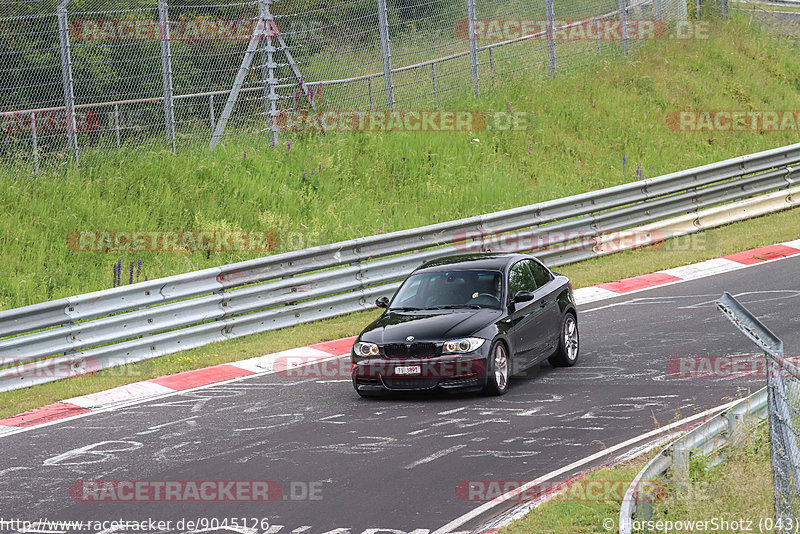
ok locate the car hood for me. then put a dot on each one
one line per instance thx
(395, 327)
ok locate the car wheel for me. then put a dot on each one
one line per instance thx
(568, 343)
(497, 370)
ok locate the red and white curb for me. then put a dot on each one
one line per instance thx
(693, 271)
(165, 385)
(157, 387)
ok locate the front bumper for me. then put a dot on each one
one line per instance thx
(453, 371)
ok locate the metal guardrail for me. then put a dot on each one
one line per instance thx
(75, 335)
(710, 438)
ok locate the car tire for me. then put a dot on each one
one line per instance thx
(498, 367)
(568, 343)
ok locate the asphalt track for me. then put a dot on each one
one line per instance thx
(394, 464)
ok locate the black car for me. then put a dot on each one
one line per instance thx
(468, 322)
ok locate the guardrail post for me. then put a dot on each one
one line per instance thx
(473, 46)
(386, 52)
(66, 74)
(623, 24)
(166, 71)
(551, 41)
(680, 465)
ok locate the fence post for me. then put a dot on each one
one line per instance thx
(386, 52)
(66, 74)
(473, 46)
(435, 86)
(623, 23)
(658, 10)
(551, 42)
(166, 71)
(371, 96)
(211, 118)
(35, 141)
(599, 42)
(116, 124)
(268, 70)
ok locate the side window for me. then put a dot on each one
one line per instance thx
(540, 273)
(520, 278)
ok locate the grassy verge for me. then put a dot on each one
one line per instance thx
(607, 125)
(736, 237)
(739, 488)
(584, 505)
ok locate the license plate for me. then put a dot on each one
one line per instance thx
(408, 370)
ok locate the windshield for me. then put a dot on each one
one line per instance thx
(450, 289)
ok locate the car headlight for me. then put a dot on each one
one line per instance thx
(460, 346)
(366, 349)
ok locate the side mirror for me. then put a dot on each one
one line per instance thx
(522, 296)
(382, 302)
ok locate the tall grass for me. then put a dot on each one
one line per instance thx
(591, 129)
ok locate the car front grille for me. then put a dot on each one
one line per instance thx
(410, 350)
(410, 383)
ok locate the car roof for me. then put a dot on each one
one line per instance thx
(489, 261)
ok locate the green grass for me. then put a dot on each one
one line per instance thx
(572, 512)
(583, 124)
(365, 187)
(739, 488)
(743, 235)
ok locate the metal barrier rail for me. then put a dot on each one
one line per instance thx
(708, 439)
(729, 427)
(75, 335)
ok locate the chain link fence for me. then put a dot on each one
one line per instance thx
(79, 75)
(783, 400)
(783, 392)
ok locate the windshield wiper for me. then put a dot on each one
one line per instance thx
(455, 306)
(405, 308)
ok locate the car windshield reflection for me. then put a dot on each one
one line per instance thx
(468, 289)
